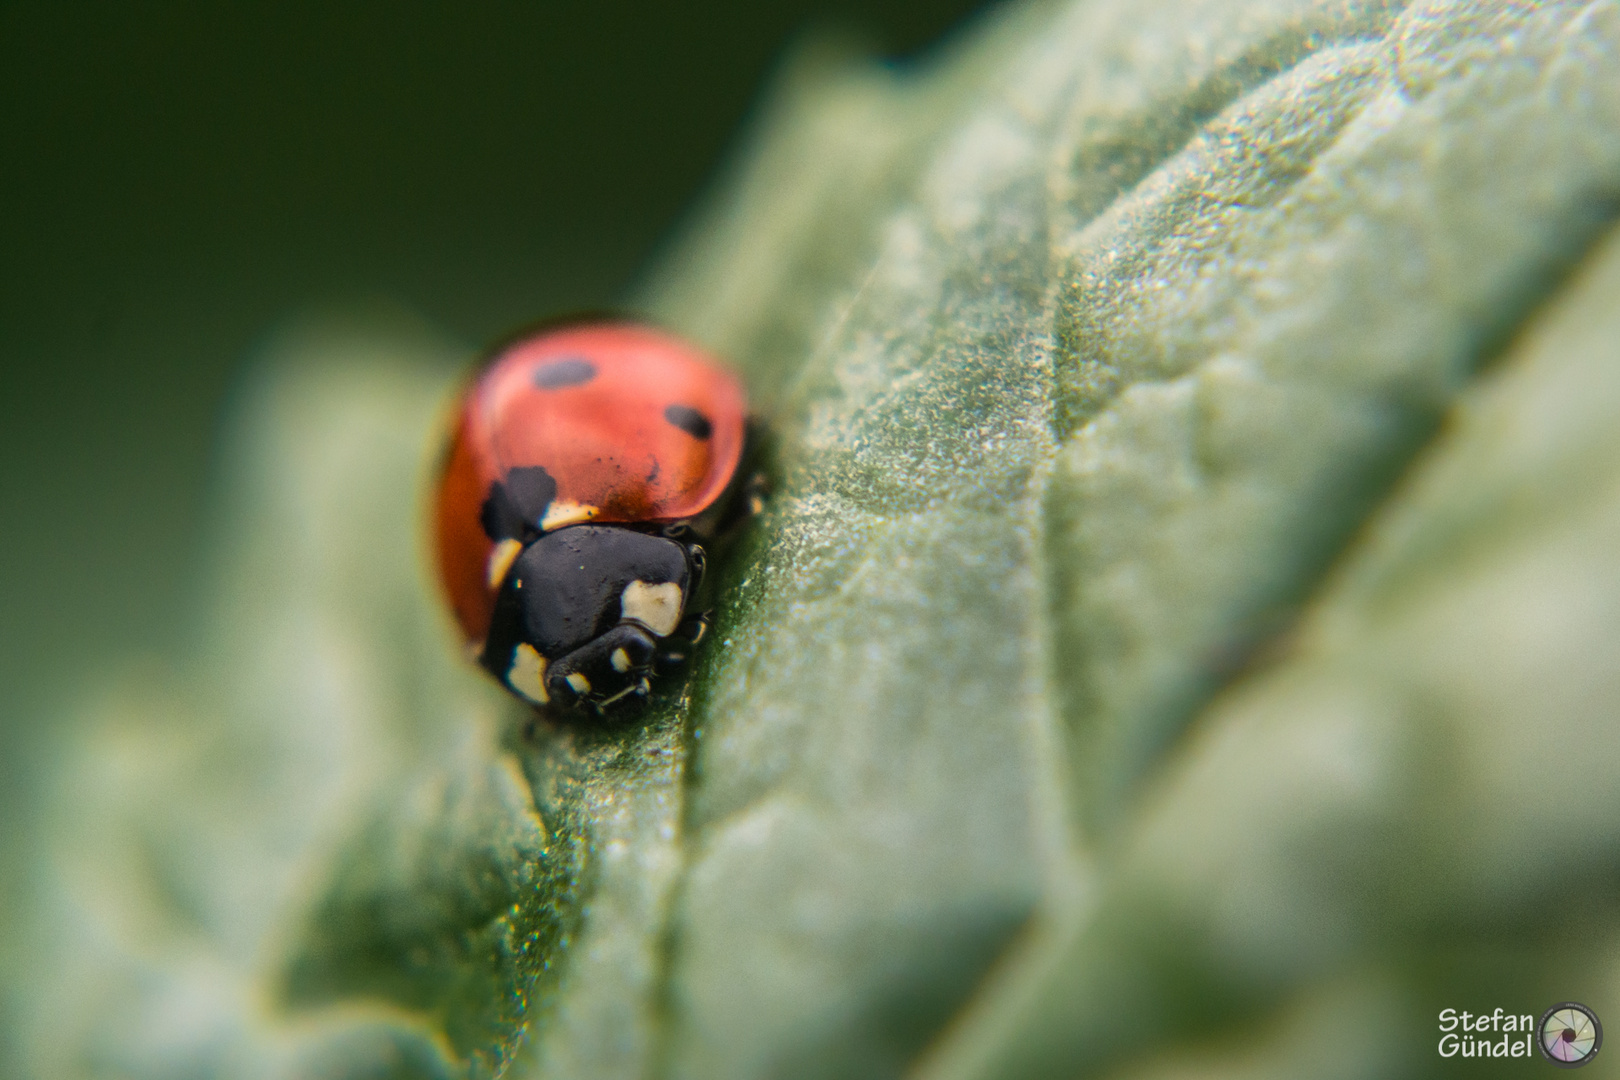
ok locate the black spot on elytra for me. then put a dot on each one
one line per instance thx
(569, 371)
(515, 505)
(689, 420)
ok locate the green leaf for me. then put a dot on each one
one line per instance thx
(1179, 640)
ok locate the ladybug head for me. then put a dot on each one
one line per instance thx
(585, 612)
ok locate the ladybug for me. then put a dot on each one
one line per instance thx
(588, 461)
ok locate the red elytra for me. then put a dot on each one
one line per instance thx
(633, 425)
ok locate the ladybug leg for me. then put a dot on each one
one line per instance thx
(755, 492)
(746, 502)
(675, 650)
(695, 628)
(636, 692)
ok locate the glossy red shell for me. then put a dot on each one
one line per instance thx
(607, 441)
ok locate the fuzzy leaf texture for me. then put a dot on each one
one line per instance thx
(1182, 640)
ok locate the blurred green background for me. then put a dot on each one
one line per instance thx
(176, 178)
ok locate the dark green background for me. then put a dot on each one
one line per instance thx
(177, 178)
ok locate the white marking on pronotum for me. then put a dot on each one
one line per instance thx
(527, 675)
(620, 661)
(657, 607)
(566, 512)
(580, 683)
(501, 557)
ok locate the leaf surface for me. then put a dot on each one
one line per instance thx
(1186, 575)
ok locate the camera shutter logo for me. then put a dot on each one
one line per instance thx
(1569, 1034)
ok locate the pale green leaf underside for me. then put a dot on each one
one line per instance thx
(1180, 640)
